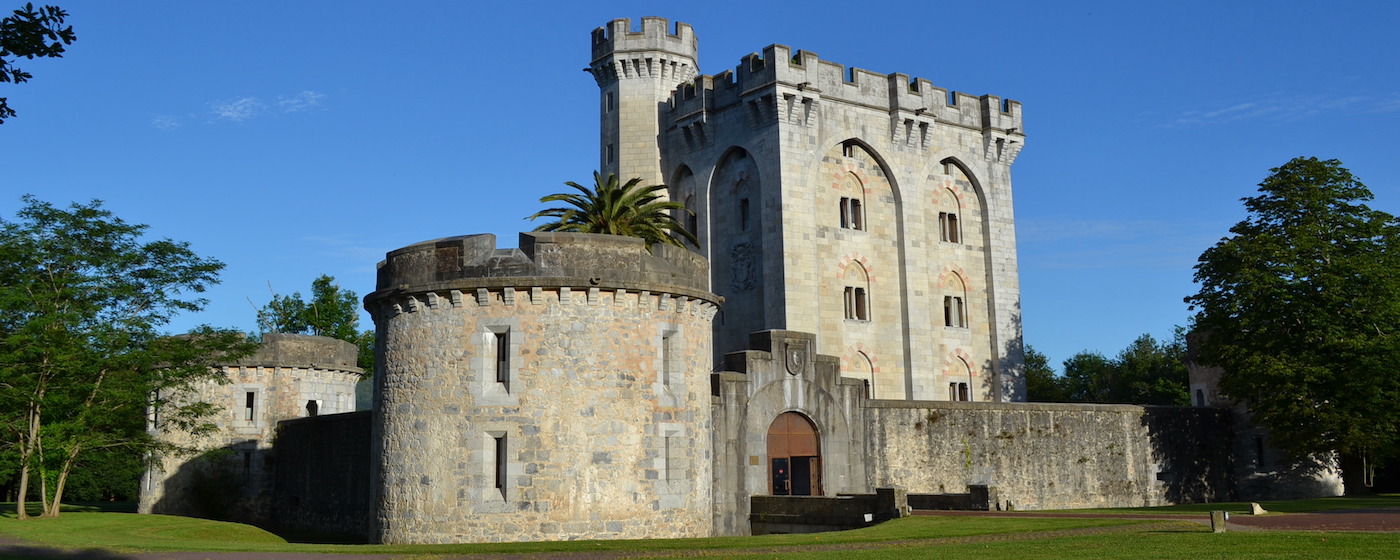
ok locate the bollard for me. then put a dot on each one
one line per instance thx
(1217, 521)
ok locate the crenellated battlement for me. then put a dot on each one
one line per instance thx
(656, 35)
(804, 74)
(554, 260)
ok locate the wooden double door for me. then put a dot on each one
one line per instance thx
(794, 456)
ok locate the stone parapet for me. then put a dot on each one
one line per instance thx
(576, 261)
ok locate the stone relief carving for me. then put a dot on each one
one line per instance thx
(741, 267)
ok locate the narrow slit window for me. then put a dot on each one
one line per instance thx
(743, 214)
(500, 478)
(667, 344)
(502, 357)
(250, 399)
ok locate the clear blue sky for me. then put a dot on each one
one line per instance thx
(292, 139)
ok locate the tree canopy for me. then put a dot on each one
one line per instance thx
(81, 358)
(1146, 372)
(30, 33)
(630, 209)
(332, 311)
(1299, 306)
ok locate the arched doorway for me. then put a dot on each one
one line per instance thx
(794, 456)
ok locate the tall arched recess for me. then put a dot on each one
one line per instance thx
(736, 249)
(860, 216)
(983, 215)
(983, 298)
(682, 188)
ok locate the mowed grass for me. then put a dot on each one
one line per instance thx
(1374, 501)
(125, 532)
(1028, 536)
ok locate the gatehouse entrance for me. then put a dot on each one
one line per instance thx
(794, 456)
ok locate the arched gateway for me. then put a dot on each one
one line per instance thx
(794, 456)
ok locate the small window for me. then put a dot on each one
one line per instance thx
(743, 214)
(313, 408)
(954, 314)
(608, 154)
(501, 348)
(852, 213)
(857, 304)
(958, 392)
(948, 229)
(1200, 397)
(500, 477)
(667, 350)
(608, 102)
(250, 400)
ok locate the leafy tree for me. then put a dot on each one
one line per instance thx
(629, 209)
(1300, 305)
(1089, 377)
(1042, 385)
(30, 33)
(1146, 372)
(332, 312)
(1152, 372)
(81, 299)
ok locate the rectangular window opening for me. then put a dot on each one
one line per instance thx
(501, 348)
(249, 402)
(862, 305)
(743, 214)
(948, 227)
(666, 365)
(500, 477)
(857, 215)
(953, 313)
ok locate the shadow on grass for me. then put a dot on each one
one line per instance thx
(35, 508)
(11, 551)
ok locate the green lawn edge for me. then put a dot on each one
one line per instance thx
(84, 527)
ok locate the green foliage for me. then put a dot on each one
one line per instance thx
(332, 312)
(1041, 384)
(1300, 305)
(81, 299)
(630, 209)
(1146, 372)
(30, 33)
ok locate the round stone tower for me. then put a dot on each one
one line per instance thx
(552, 392)
(636, 72)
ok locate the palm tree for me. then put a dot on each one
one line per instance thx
(630, 210)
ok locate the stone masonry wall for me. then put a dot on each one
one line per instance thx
(1050, 456)
(818, 133)
(603, 415)
(322, 485)
(233, 479)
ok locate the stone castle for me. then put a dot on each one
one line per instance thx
(849, 323)
(872, 210)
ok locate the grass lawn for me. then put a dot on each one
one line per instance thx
(916, 537)
(1375, 501)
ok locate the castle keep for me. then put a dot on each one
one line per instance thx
(872, 210)
(847, 331)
